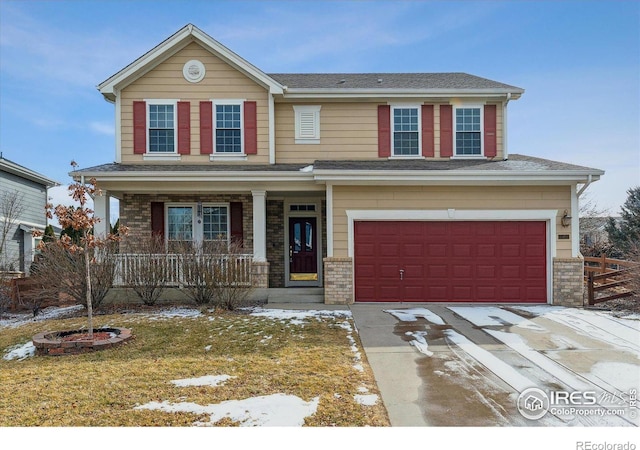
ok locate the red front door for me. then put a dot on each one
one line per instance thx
(450, 261)
(303, 252)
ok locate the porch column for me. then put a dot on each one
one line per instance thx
(259, 225)
(102, 211)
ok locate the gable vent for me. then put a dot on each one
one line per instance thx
(307, 124)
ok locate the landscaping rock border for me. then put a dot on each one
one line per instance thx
(50, 343)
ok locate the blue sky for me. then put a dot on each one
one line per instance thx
(579, 63)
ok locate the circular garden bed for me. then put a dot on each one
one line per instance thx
(75, 342)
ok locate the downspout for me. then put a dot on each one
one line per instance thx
(272, 130)
(505, 150)
(586, 185)
(575, 214)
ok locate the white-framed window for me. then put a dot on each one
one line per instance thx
(161, 127)
(204, 224)
(405, 127)
(307, 124)
(468, 120)
(228, 125)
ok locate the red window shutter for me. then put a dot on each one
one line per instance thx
(427, 131)
(384, 131)
(157, 219)
(184, 128)
(250, 128)
(446, 131)
(237, 230)
(139, 127)
(206, 128)
(490, 138)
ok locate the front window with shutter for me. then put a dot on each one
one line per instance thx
(228, 128)
(162, 128)
(468, 131)
(406, 131)
(307, 124)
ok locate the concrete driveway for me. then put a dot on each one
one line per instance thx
(492, 365)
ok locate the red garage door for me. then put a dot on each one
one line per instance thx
(450, 261)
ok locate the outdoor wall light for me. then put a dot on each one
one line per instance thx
(566, 219)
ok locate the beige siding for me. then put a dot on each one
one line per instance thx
(221, 81)
(347, 131)
(443, 198)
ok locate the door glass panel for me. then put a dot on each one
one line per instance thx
(309, 237)
(297, 237)
(180, 223)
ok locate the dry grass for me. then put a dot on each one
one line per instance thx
(265, 356)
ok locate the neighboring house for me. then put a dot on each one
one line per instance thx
(375, 187)
(593, 230)
(23, 197)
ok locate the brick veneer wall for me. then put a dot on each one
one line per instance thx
(260, 274)
(275, 242)
(568, 281)
(338, 281)
(135, 211)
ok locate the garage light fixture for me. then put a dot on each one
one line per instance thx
(566, 219)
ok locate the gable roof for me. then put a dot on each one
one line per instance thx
(170, 46)
(22, 172)
(296, 85)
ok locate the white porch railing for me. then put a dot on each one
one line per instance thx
(234, 270)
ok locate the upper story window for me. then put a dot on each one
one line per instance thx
(468, 126)
(228, 127)
(162, 128)
(307, 124)
(405, 127)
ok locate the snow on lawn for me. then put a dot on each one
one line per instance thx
(52, 312)
(20, 352)
(275, 410)
(208, 380)
(298, 317)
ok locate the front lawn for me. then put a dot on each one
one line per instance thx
(191, 367)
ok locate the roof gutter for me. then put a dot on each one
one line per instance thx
(586, 185)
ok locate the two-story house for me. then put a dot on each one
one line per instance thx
(23, 196)
(376, 187)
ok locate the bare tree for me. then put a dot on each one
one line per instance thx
(593, 238)
(91, 252)
(11, 208)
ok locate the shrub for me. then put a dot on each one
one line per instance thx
(146, 268)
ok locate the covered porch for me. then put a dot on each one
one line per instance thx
(275, 220)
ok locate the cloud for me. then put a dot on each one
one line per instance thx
(338, 35)
(55, 57)
(102, 128)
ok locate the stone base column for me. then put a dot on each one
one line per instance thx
(338, 281)
(568, 282)
(260, 274)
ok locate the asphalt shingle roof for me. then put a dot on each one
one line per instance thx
(520, 163)
(454, 80)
